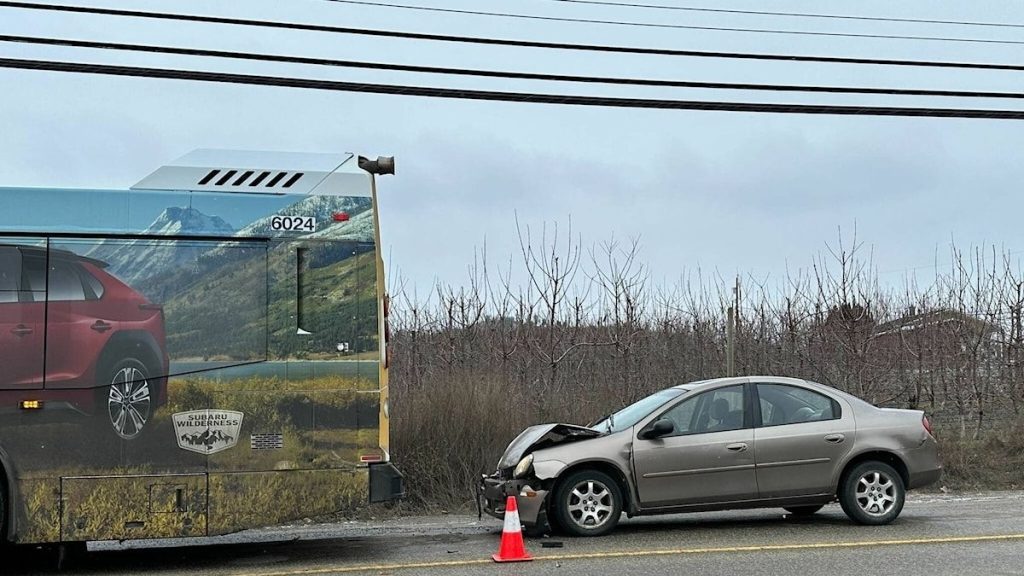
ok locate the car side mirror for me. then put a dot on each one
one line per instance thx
(660, 427)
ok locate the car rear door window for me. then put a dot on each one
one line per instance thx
(783, 404)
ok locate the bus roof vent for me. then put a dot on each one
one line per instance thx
(244, 172)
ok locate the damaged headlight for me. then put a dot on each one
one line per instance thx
(523, 468)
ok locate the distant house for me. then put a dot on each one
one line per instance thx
(934, 338)
(938, 323)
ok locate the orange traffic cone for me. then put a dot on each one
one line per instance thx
(512, 548)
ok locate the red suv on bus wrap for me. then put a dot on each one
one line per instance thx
(75, 335)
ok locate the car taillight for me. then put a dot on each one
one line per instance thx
(927, 425)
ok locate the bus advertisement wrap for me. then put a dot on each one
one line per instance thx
(197, 355)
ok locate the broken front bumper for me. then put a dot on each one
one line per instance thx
(493, 493)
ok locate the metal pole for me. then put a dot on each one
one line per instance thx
(730, 343)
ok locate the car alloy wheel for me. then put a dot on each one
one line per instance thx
(129, 400)
(876, 493)
(588, 503)
(872, 493)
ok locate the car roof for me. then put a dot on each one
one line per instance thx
(41, 252)
(714, 382)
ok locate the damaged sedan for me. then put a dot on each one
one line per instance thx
(729, 443)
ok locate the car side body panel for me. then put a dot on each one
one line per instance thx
(798, 459)
(78, 331)
(923, 465)
(900, 434)
(613, 451)
(22, 330)
(695, 469)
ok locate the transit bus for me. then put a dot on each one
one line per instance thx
(202, 353)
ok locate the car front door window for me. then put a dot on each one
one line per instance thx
(718, 410)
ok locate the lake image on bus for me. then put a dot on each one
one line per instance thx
(202, 353)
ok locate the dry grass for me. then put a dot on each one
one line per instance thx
(993, 462)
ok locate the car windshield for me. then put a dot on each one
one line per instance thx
(635, 412)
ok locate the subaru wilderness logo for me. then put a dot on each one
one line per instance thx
(207, 431)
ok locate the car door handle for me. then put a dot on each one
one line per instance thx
(835, 438)
(737, 447)
(21, 330)
(101, 326)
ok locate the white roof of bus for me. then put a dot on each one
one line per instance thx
(282, 173)
(297, 161)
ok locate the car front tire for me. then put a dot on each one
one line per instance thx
(588, 503)
(872, 493)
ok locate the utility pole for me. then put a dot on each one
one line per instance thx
(730, 342)
(1016, 341)
(731, 328)
(737, 291)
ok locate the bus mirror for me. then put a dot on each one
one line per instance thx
(382, 165)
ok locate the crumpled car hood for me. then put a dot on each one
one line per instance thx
(543, 436)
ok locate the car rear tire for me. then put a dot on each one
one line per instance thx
(803, 511)
(872, 493)
(588, 503)
(126, 398)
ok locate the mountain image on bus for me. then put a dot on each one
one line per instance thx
(202, 353)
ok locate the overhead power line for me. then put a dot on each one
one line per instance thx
(791, 14)
(496, 96)
(671, 26)
(249, 56)
(165, 16)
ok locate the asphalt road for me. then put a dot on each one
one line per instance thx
(936, 534)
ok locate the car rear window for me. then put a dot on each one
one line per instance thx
(93, 287)
(65, 283)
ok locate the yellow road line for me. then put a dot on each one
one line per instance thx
(656, 552)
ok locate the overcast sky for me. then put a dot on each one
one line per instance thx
(731, 192)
